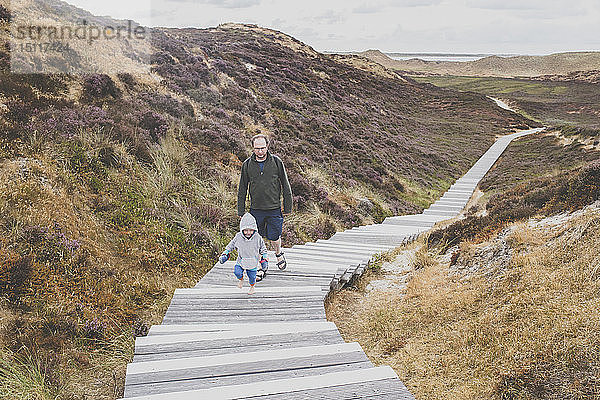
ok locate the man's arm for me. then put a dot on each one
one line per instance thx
(287, 189)
(242, 190)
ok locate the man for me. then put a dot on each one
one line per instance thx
(263, 176)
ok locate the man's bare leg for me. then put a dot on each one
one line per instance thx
(277, 244)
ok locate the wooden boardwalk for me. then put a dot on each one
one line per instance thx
(218, 342)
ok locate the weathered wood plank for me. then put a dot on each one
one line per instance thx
(265, 376)
(264, 342)
(244, 303)
(243, 363)
(298, 310)
(328, 380)
(196, 319)
(390, 389)
(259, 327)
(233, 292)
(149, 343)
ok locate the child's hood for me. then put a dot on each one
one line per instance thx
(248, 222)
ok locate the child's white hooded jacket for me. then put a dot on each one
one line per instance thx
(250, 250)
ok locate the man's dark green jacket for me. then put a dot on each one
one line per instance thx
(265, 187)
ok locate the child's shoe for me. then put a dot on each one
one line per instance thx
(240, 283)
(251, 291)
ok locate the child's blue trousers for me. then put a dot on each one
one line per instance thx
(239, 273)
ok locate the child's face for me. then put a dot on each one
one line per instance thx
(248, 232)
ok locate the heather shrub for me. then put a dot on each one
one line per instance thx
(183, 77)
(165, 104)
(47, 83)
(580, 190)
(99, 87)
(154, 124)
(137, 139)
(127, 78)
(15, 272)
(305, 192)
(19, 111)
(5, 15)
(206, 96)
(67, 122)
(12, 85)
(219, 136)
(4, 61)
(323, 229)
(49, 245)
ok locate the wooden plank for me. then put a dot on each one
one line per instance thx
(266, 283)
(245, 306)
(314, 246)
(261, 327)
(241, 294)
(263, 376)
(207, 374)
(323, 256)
(195, 341)
(298, 310)
(271, 291)
(253, 343)
(363, 246)
(195, 319)
(297, 280)
(248, 302)
(280, 386)
(299, 270)
(243, 363)
(293, 269)
(389, 389)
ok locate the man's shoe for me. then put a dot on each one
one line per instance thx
(281, 262)
(260, 275)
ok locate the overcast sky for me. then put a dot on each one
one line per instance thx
(449, 26)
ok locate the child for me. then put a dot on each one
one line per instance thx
(252, 252)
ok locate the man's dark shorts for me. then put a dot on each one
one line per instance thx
(270, 222)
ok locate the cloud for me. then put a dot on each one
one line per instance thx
(371, 7)
(374, 7)
(508, 4)
(368, 9)
(414, 3)
(535, 9)
(223, 3)
(329, 17)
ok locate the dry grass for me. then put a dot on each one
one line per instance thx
(529, 332)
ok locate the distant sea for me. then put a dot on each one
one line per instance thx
(442, 56)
